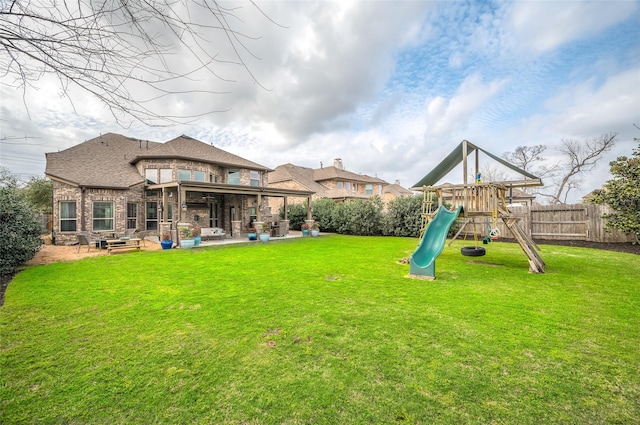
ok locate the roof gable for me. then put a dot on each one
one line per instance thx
(185, 147)
(99, 162)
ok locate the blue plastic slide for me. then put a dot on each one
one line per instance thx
(423, 260)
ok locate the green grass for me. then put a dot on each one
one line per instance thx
(323, 330)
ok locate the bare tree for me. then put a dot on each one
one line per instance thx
(581, 157)
(524, 156)
(128, 54)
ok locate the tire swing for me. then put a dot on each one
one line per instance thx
(473, 251)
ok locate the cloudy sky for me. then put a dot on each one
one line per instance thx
(388, 87)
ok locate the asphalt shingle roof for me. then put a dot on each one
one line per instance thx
(99, 162)
(109, 160)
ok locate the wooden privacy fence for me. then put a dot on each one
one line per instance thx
(557, 222)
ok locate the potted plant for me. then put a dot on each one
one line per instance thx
(196, 235)
(165, 241)
(305, 229)
(252, 235)
(315, 229)
(266, 232)
(186, 238)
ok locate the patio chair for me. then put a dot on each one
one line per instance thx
(84, 238)
(142, 235)
(129, 233)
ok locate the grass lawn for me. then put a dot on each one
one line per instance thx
(323, 330)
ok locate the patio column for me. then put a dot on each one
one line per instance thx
(309, 209)
(259, 208)
(286, 213)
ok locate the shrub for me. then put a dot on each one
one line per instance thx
(296, 213)
(359, 217)
(402, 217)
(20, 229)
(323, 213)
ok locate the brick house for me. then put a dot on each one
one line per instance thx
(112, 183)
(331, 182)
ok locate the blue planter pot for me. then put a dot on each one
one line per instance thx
(252, 236)
(166, 244)
(264, 237)
(315, 233)
(196, 240)
(305, 232)
(187, 243)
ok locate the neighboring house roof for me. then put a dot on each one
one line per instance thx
(185, 147)
(108, 160)
(310, 179)
(99, 162)
(301, 175)
(397, 190)
(333, 173)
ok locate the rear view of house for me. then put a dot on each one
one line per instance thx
(114, 183)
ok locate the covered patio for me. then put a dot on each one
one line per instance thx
(232, 208)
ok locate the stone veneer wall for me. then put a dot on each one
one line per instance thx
(84, 198)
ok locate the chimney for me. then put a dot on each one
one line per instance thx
(338, 163)
(397, 182)
(321, 164)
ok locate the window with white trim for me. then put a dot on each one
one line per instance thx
(151, 216)
(68, 216)
(198, 176)
(151, 175)
(234, 177)
(102, 216)
(166, 175)
(132, 215)
(254, 177)
(369, 189)
(184, 175)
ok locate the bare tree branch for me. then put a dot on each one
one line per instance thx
(127, 54)
(582, 157)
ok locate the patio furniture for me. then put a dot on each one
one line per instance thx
(117, 244)
(141, 235)
(212, 233)
(84, 238)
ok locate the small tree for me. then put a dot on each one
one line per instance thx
(622, 194)
(39, 194)
(19, 231)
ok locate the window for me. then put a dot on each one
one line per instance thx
(348, 186)
(254, 176)
(68, 216)
(132, 215)
(340, 185)
(380, 189)
(165, 175)
(234, 177)
(102, 216)
(368, 189)
(151, 216)
(213, 178)
(198, 176)
(184, 175)
(151, 175)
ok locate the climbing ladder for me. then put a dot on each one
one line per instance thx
(427, 209)
(536, 263)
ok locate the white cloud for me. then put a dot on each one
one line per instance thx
(545, 25)
(444, 117)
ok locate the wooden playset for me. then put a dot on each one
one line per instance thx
(480, 201)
